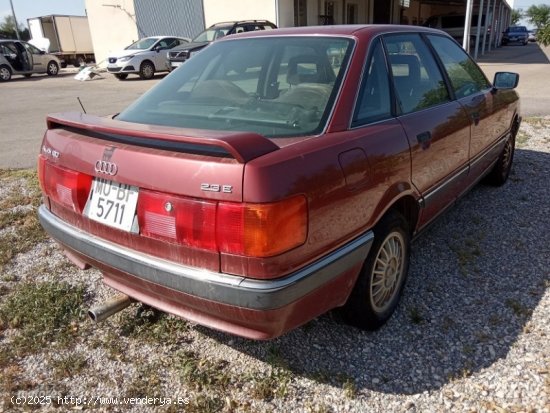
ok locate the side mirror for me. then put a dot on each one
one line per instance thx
(505, 80)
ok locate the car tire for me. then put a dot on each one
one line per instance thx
(379, 287)
(147, 70)
(500, 172)
(52, 68)
(5, 73)
(79, 62)
(121, 76)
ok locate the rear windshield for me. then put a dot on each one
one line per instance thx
(213, 33)
(272, 86)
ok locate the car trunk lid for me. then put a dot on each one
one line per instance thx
(170, 168)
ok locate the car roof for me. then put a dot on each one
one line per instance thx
(160, 37)
(340, 30)
(236, 22)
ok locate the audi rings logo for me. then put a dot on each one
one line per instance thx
(107, 168)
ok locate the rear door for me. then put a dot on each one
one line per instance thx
(438, 128)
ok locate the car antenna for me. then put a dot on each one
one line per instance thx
(81, 105)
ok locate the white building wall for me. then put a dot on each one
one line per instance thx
(112, 28)
(286, 13)
(222, 10)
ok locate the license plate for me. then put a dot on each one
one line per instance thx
(112, 203)
(176, 64)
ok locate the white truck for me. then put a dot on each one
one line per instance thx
(69, 37)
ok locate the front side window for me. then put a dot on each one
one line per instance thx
(272, 86)
(31, 48)
(374, 101)
(418, 81)
(466, 78)
(142, 44)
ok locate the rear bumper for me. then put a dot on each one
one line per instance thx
(231, 303)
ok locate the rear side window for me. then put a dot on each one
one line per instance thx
(466, 78)
(374, 101)
(418, 81)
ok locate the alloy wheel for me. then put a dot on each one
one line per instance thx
(387, 271)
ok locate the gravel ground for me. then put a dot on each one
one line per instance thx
(471, 333)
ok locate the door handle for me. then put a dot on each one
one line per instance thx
(424, 139)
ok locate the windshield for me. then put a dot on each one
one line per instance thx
(272, 86)
(142, 44)
(213, 33)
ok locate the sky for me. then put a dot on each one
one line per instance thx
(34, 8)
(524, 5)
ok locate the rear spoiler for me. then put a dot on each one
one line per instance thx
(242, 146)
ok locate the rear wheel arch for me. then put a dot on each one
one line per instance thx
(409, 209)
(406, 204)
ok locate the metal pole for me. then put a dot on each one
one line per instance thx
(497, 34)
(485, 27)
(478, 34)
(493, 24)
(468, 24)
(15, 21)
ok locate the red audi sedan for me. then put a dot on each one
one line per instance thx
(278, 174)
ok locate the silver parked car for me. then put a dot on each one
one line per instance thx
(22, 58)
(143, 57)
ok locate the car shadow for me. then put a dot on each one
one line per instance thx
(532, 53)
(136, 78)
(38, 76)
(475, 278)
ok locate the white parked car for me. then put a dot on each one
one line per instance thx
(22, 58)
(144, 57)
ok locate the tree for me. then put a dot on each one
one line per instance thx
(7, 29)
(539, 16)
(543, 35)
(517, 15)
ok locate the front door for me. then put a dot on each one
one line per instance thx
(39, 58)
(472, 89)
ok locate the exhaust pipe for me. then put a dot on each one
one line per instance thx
(110, 307)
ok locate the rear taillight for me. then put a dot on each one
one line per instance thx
(64, 186)
(253, 230)
(181, 220)
(262, 230)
